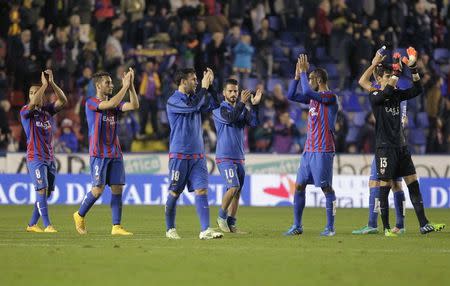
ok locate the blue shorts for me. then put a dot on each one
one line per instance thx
(316, 168)
(233, 174)
(373, 172)
(42, 174)
(190, 172)
(107, 171)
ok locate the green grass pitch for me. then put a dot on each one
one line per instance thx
(261, 257)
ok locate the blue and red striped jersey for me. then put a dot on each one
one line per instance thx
(37, 124)
(321, 119)
(103, 130)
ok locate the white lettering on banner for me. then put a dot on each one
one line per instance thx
(12, 193)
(54, 196)
(75, 193)
(132, 195)
(148, 196)
(435, 193)
(3, 198)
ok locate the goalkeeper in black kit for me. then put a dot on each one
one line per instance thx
(392, 155)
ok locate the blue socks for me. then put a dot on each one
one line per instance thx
(171, 211)
(116, 208)
(330, 208)
(222, 213)
(42, 208)
(399, 201)
(373, 209)
(201, 203)
(35, 216)
(299, 205)
(88, 201)
(231, 220)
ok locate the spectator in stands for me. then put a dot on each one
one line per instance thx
(209, 136)
(150, 91)
(284, 134)
(341, 130)
(128, 131)
(114, 55)
(323, 23)
(5, 132)
(263, 136)
(215, 57)
(433, 104)
(366, 135)
(263, 44)
(267, 110)
(134, 11)
(243, 53)
(67, 141)
(281, 103)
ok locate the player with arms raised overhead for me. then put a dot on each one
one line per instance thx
(378, 70)
(316, 166)
(37, 121)
(230, 120)
(187, 164)
(392, 156)
(102, 113)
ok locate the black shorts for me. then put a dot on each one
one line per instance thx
(393, 163)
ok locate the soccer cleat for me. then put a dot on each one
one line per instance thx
(365, 230)
(119, 230)
(328, 232)
(50, 229)
(389, 233)
(294, 230)
(210, 233)
(80, 224)
(223, 224)
(398, 231)
(34, 228)
(172, 234)
(429, 227)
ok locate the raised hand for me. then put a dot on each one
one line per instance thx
(297, 69)
(378, 58)
(303, 63)
(50, 75)
(245, 95)
(256, 99)
(43, 79)
(126, 79)
(410, 61)
(131, 71)
(211, 73)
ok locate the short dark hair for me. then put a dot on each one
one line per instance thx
(231, 81)
(321, 74)
(97, 77)
(183, 74)
(381, 69)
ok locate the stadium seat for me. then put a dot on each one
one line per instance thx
(296, 51)
(352, 135)
(422, 120)
(277, 52)
(351, 103)
(251, 83)
(321, 54)
(331, 70)
(360, 118)
(287, 39)
(411, 120)
(417, 136)
(441, 55)
(274, 23)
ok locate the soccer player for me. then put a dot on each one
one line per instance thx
(187, 164)
(316, 165)
(392, 156)
(378, 71)
(106, 160)
(230, 120)
(37, 121)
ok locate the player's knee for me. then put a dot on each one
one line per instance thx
(300, 188)
(385, 183)
(201, 192)
(233, 191)
(410, 179)
(396, 186)
(42, 191)
(117, 190)
(327, 189)
(174, 194)
(374, 183)
(98, 191)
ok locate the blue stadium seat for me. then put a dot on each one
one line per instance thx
(411, 120)
(441, 55)
(351, 103)
(287, 39)
(251, 83)
(274, 23)
(360, 118)
(296, 51)
(422, 120)
(321, 54)
(277, 52)
(352, 135)
(417, 136)
(331, 70)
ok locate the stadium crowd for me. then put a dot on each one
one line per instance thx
(255, 41)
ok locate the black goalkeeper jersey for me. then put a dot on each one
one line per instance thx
(388, 115)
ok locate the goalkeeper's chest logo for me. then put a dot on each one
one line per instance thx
(395, 111)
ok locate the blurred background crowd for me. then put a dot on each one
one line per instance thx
(256, 41)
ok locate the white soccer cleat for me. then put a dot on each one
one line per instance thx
(223, 224)
(210, 233)
(172, 234)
